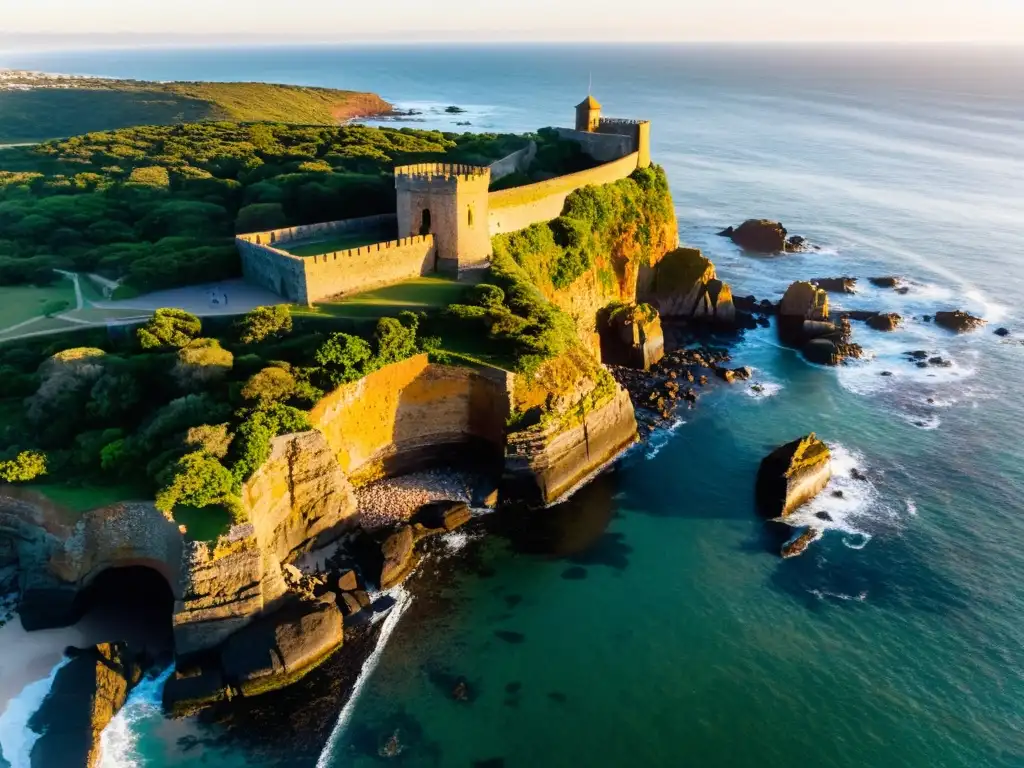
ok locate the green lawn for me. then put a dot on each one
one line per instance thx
(341, 242)
(82, 498)
(203, 524)
(421, 294)
(23, 302)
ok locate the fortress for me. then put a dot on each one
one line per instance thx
(445, 217)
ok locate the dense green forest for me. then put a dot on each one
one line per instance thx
(69, 106)
(158, 205)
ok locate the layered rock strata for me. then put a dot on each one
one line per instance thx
(792, 475)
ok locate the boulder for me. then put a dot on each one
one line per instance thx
(399, 557)
(86, 694)
(685, 287)
(191, 689)
(799, 543)
(884, 282)
(351, 604)
(1002, 331)
(822, 352)
(884, 321)
(759, 235)
(457, 516)
(631, 336)
(276, 650)
(958, 321)
(836, 284)
(804, 300)
(348, 581)
(792, 475)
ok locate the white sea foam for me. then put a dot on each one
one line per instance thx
(824, 594)
(16, 738)
(660, 438)
(119, 740)
(859, 510)
(402, 600)
(761, 390)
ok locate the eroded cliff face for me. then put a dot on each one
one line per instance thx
(395, 419)
(298, 500)
(686, 287)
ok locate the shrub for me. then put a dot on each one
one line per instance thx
(265, 322)
(152, 176)
(394, 341)
(202, 363)
(344, 358)
(214, 439)
(196, 479)
(269, 386)
(169, 327)
(251, 447)
(27, 465)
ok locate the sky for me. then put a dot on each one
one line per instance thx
(522, 20)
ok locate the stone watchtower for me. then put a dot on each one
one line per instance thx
(448, 201)
(588, 115)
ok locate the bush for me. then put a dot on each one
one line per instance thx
(27, 465)
(270, 385)
(196, 479)
(214, 439)
(169, 327)
(201, 364)
(265, 322)
(251, 447)
(394, 341)
(344, 358)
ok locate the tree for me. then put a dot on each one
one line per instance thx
(214, 439)
(27, 465)
(270, 385)
(202, 363)
(344, 358)
(152, 176)
(394, 341)
(55, 307)
(260, 217)
(197, 479)
(169, 327)
(265, 322)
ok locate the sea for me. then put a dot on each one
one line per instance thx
(649, 620)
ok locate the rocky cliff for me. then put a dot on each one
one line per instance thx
(686, 287)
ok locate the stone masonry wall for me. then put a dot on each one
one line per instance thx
(517, 208)
(368, 267)
(519, 160)
(273, 269)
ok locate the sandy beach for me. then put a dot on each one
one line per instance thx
(395, 500)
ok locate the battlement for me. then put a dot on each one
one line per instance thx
(620, 121)
(433, 171)
(366, 250)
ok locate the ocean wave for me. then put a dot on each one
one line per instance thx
(402, 600)
(16, 738)
(119, 740)
(824, 594)
(761, 390)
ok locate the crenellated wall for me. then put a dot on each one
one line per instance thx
(406, 413)
(368, 267)
(519, 207)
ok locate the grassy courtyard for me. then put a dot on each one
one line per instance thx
(422, 294)
(341, 242)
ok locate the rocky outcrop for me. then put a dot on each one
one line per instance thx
(791, 475)
(958, 321)
(543, 463)
(86, 694)
(836, 284)
(298, 500)
(803, 314)
(267, 654)
(685, 287)
(631, 335)
(762, 236)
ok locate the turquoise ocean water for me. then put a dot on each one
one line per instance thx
(650, 621)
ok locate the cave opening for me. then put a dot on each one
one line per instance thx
(131, 603)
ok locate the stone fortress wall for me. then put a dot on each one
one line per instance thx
(446, 216)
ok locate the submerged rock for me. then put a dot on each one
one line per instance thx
(797, 545)
(836, 284)
(792, 475)
(884, 321)
(888, 281)
(1002, 331)
(958, 321)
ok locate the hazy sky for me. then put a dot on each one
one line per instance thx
(804, 20)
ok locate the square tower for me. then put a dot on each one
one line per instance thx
(588, 115)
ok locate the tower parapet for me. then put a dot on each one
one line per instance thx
(449, 201)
